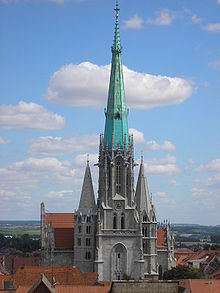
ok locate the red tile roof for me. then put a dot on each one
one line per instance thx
(60, 220)
(201, 285)
(62, 275)
(160, 237)
(23, 289)
(21, 262)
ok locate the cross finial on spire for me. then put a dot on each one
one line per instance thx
(117, 10)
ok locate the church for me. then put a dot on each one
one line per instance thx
(118, 236)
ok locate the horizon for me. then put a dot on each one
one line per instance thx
(54, 86)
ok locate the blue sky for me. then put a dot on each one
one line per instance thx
(54, 60)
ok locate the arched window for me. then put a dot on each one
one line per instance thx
(118, 175)
(122, 221)
(114, 221)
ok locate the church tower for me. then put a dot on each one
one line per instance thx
(147, 215)
(119, 246)
(85, 226)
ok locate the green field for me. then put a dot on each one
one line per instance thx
(18, 231)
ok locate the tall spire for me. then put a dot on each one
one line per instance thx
(87, 201)
(142, 196)
(116, 125)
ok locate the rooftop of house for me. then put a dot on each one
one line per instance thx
(60, 220)
(160, 237)
(201, 285)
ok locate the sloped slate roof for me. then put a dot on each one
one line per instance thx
(87, 200)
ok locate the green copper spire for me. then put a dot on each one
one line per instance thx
(116, 125)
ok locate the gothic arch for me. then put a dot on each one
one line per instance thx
(118, 261)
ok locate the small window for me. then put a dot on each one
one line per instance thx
(88, 229)
(79, 241)
(88, 219)
(119, 255)
(79, 229)
(115, 221)
(122, 221)
(88, 255)
(88, 241)
(79, 219)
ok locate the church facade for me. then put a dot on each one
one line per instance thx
(117, 236)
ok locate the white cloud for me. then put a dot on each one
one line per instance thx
(174, 183)
(213, 166)
(60, 194)
(218, 2)
(81, 159)
(164, 17)
(86, 84)
(196, 19)
(162, 166)
(49, 145)
(3, 141)
(138, 135)
(29, 116)
(135, 22)
(168, 146)
(162, 199)
(191, 161)
(215, 64)
(151, 145)
(213, 27)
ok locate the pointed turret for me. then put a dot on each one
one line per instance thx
(116, 125)
(87, 200)
(142, 196)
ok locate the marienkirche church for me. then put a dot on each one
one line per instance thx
(118, 236)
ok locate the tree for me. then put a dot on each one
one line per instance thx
(182, 272)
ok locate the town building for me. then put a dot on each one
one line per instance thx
(117, 236)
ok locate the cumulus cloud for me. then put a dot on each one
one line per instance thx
(86, 84)
(218, 2)
(196, 19)
(49, 145)
(135, 22)
(138, 135)
(60, 194)
(29, 116)
(151, 145)
(164, 17)
(213, 166)
(209, 187)
(162, 166)
(3, 141)
(162, 199)
(213, 27)
(215, 64)
(81, 159)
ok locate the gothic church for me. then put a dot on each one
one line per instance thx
(117, 236)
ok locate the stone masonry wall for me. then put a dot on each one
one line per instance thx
(144, 287)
